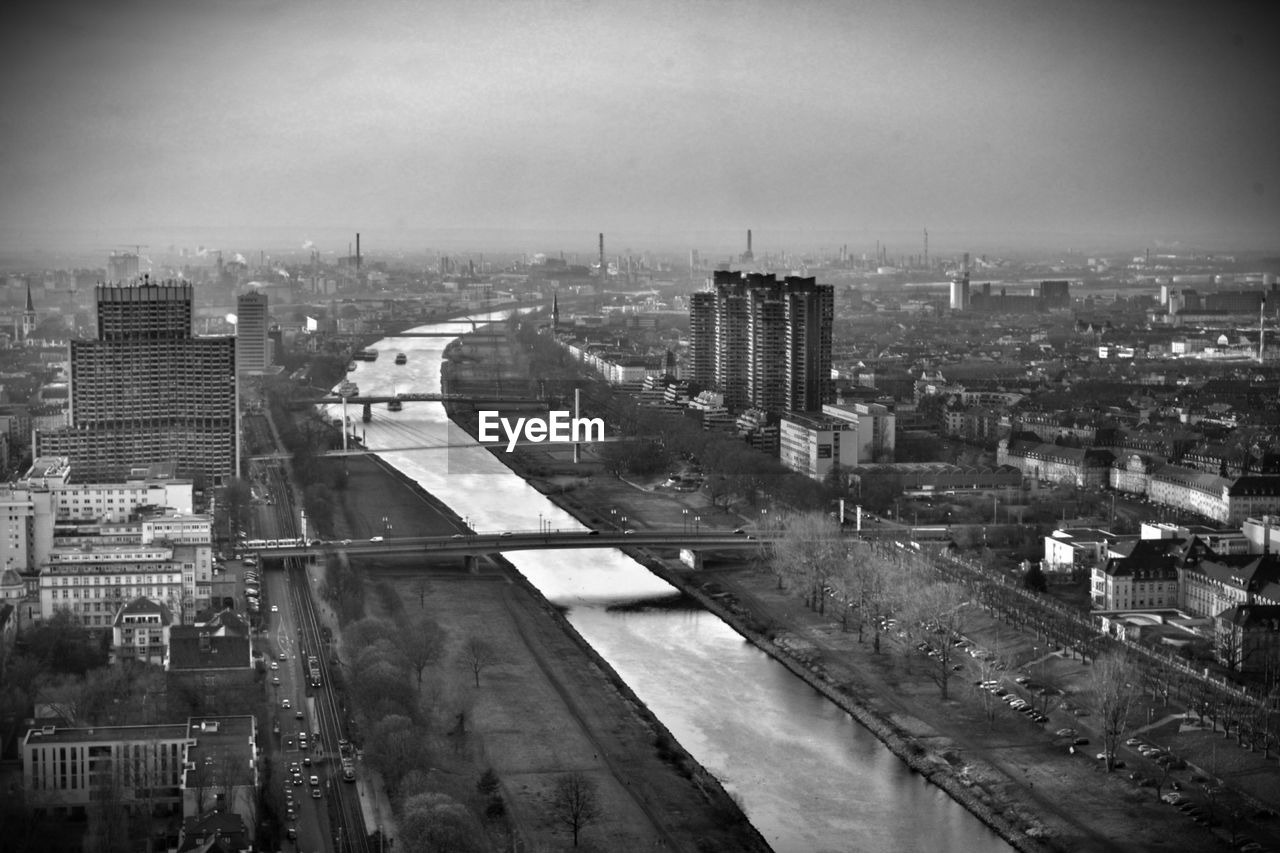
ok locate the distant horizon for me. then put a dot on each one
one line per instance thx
(713, 245)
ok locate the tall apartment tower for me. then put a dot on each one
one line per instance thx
(147, 391)
(762, 342)
(252, 346)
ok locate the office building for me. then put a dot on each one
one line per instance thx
(122, 267)
(764, 343)
(252, 345)
(147, 391)
(204, 765)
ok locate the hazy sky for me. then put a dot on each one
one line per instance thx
(131, 120)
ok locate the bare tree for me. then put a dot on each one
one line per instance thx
(935, 615)
(575, 803)
(810, 551)
(1113, 685)
(478, 655)
(422, 643)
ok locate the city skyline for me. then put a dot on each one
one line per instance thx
(1064, 125)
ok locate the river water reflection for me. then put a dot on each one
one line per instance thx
(808, 776)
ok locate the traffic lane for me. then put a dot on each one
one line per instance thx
(310, 818)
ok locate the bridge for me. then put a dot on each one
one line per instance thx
(473, 545)
(487, 337)
(414, 397)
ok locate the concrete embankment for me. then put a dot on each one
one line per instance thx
(930, 765)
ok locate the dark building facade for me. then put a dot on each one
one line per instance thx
(764, 343)
(147, 391)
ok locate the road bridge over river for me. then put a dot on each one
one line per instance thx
(474, 545)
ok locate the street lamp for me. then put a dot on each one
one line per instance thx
(697, 524)
(685, 527)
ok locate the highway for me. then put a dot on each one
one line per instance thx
(333, 821)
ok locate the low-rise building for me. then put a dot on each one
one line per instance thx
(141, 632)
(1145, 579)
(1075, 550)
(1077, 466)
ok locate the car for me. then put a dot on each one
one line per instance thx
(1065, 733)
(286, 704)
(345, 542)
(315, 793)
(1133, 741)
(306, 762)
(275, 679)
(297, 780)
(377, 538)
(283, 656)
(275, 665)
(505, 533)
(315, 780)
(458, 536)
(739, 531)
(292, 831)
(275, 608)
(1022, 679)
(1081, 741)
(1171, 799)
(299, 715)
(628, 532)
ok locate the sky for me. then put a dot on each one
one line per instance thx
(177, 121)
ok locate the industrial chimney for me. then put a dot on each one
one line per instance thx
(357, 254)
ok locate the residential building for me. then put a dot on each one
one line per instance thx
(1247, 638)
(1078, 466)
(147, 391)
(762, 342)
(141, 632)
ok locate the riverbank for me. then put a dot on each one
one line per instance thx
(1016, 777)
(547, 705)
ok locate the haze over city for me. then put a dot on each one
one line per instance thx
(996, 125)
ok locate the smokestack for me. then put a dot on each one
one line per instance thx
(603, 268)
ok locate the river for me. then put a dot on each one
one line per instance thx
(807, 775)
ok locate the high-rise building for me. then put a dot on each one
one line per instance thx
(122, 267)
(252, 347)
(763, 343)
(147, 391)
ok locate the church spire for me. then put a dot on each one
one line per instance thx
(555, 312)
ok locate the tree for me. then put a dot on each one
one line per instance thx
(809, 552)
(437, 822)
(935, 614)
(575, 803)
(477, 655)
(1113, 684)
(422, 644)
